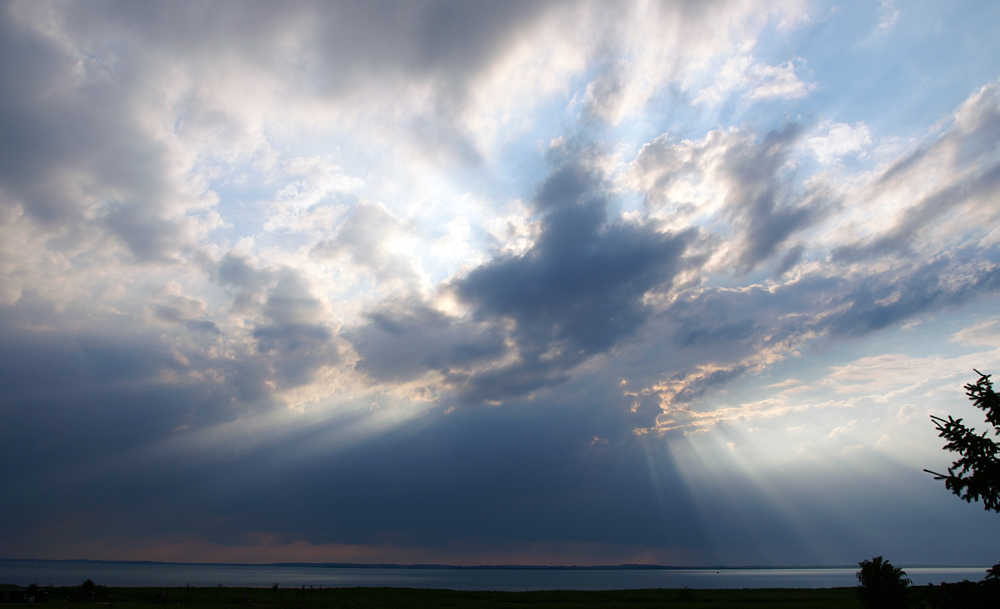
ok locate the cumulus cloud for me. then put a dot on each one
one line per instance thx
(79, 158)
(838, 140)
(367, 237)
(736, 178)
(755, 81)
(174, 308)
(295, 331)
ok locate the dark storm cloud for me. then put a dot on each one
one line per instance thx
(496, 477)
(492, 476)
(576, 293)
(113, 385)
(29, 132)
(476, 477)
(580, 288)
(99, 389)
(402, 341)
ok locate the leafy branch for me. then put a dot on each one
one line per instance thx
(976, 475)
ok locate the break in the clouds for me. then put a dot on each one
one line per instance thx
(546, 282)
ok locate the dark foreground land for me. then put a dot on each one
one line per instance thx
(371, 598)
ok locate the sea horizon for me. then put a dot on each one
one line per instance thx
(359, 565)
(48, 572)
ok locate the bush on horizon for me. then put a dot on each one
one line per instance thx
(882, 586)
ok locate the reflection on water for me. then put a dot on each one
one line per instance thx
(158, 574)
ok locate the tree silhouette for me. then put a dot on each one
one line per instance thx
(976, 475)
(881, 585)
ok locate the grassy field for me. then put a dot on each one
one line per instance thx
(371, 598)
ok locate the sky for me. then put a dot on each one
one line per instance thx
(563, 282)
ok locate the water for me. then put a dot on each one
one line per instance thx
(72, 573)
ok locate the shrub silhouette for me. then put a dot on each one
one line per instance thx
(881, 586)
(993, 574)
(981, 595)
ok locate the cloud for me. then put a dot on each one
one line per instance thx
(368, 236)
(403, 341)
(642, 49)
(888, 298)
(755, 197)
(981, 334)
(468, 281)
(736, 178)
(834, 141)
(78, 158)
(110, 386)
(148, 237)
(313, 193)
(579, 290)
(292, 334)
(755, 80)
(236, 270)
(295, 332)
(704, 341)
(176, 308)
(889, 15)
(941, 189)
(558, 307)
(847, 429)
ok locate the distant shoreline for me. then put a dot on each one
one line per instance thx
(339, 565)
(453, 577)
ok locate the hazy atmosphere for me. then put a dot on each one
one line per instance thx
(578, 283)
